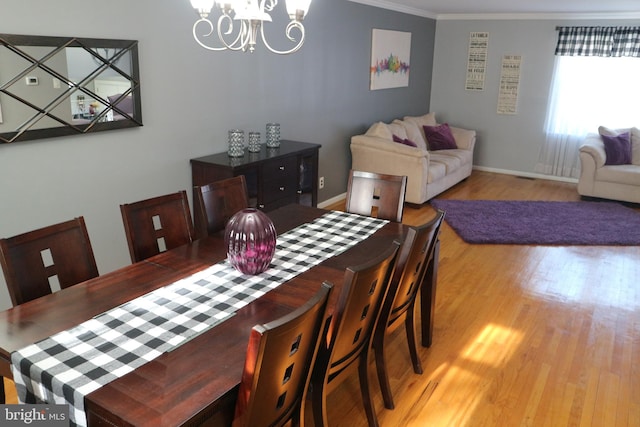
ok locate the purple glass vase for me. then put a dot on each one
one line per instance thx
(250, 238)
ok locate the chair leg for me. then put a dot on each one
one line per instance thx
(364, 389)
(381, 369)
(411, 340)
(3, 398)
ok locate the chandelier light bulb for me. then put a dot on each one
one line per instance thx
(250, 16)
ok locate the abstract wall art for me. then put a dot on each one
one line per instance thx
(390, 58)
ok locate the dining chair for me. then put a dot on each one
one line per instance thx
(278, 365)
(377, 195)
(215, 203)
(39, 262)
(157, 224)
(414, 256)
(347, 338)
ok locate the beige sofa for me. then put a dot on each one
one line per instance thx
(429, 172)
(616, 182)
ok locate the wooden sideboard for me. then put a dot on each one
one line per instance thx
(275, 176)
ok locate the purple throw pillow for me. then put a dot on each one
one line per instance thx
(405, 141)
(439, 137)
(617, 149)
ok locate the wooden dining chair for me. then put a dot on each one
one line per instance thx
(348, 336)
(158, 224)
(278, 365)
(377, 195)
(38, 262)
(215, 203)
(414, 256)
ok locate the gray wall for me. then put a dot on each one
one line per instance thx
(190, 98)
(505, 143)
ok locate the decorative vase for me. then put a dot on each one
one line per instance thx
(250, 237)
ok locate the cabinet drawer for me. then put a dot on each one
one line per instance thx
(275, 189)
(280, 168)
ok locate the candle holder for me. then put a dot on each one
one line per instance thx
(254, 142)
(236, 143)
(273, 135)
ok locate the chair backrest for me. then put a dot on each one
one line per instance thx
(413, 258)
(358, 308)
(278, 365)
(33, 262)
(377, 195)
(215, 203)
(157, 224)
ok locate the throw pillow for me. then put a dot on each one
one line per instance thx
(635, 146)
(439, 137)
(405, 141)
(379, 130)
(617, 149)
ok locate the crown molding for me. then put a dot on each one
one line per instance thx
(383, 4)
(397, 8)
(536, 16)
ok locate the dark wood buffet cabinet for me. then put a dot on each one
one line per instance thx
(275, 176)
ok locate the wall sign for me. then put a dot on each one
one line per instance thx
(509, 84)
(477, 61)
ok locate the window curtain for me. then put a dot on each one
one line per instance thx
(585, 91)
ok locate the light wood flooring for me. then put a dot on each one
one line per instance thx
(524, 335)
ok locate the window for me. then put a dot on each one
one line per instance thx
(595, 83)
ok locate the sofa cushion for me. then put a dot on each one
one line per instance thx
(413, 133)
(617, 148)
(451, 163)
(620, 174)
(379, 130)
(635, 146)
(439, 137)
(425, 120)
(398, 130)
(405, 141)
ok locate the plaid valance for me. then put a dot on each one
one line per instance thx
(598, 41)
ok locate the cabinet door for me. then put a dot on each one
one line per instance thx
(279, 182)
(308, 180)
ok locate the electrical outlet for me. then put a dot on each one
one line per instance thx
(321, 183)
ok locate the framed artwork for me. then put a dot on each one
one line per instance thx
(390, 58)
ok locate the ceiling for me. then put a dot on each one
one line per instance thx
(443, 9)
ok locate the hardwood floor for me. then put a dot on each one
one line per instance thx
(524, 335)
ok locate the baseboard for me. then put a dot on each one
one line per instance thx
(343, 196)
(526, 174)
(333, 200)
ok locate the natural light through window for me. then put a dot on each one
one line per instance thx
(592, 91)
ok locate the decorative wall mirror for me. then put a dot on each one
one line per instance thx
(55, 86)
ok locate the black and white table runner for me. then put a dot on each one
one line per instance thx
(71, 364)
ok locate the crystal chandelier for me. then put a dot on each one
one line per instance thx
(241, 20)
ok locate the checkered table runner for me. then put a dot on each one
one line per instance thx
(71, 364)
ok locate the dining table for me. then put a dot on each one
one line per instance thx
(195, 381)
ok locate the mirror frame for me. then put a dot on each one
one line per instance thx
(13, 42)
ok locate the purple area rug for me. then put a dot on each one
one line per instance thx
(542, 223)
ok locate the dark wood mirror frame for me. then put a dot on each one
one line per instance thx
(31, 63)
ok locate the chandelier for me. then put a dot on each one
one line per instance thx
(240, 21)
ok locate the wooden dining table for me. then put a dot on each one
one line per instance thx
(196, 382)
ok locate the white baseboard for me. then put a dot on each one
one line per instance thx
(334, 199)
(526, 174)
(343, 196)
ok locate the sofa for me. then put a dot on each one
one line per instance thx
(421, 149)
(610, 165)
